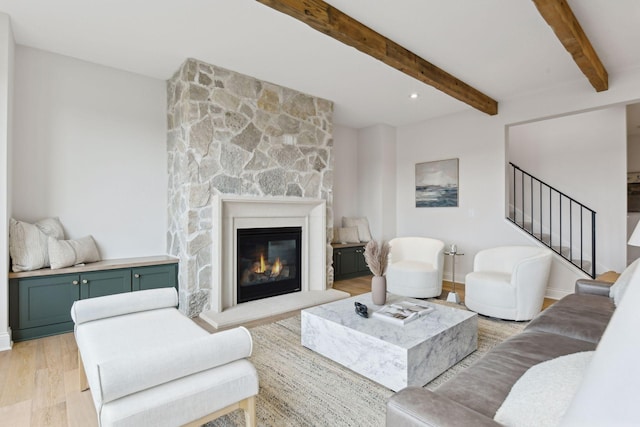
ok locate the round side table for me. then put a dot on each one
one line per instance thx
(453, 296)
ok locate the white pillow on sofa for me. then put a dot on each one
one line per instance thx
(620, 286)
(542, 395)
(28, 244)
(65, 253)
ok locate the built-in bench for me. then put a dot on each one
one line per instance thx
(40, 300)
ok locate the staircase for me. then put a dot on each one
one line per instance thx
(559, 222)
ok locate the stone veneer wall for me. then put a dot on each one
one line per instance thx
(233, 134)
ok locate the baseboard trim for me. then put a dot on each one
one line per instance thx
(556, 293)
(5, 341)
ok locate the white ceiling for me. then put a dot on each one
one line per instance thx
(501, 47)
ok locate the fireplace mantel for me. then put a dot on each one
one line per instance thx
(231, 213)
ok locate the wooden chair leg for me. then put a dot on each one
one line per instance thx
(84, 383)
(249, 407)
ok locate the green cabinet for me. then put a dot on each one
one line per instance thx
(41, 305)
(165, 276)
(44, 301)
(102, 283)
(348, 261)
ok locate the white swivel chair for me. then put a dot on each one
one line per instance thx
(415, 267)
(508, 282)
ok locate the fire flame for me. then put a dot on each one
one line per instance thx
(262, 266)
(277, 266)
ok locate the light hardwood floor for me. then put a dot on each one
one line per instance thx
(39, 382)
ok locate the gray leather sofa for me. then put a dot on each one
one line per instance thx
(574, 324)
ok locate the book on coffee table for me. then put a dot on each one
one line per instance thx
(403, 312)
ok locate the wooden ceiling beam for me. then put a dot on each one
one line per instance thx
(327, 19)
(561, 19)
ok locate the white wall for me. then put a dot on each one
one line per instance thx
(345, 173)
(90, 147)
(6, 100)
(584, 156)
(377, 179)
(478, 221)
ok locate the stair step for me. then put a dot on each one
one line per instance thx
(562, 250)
(545, 238)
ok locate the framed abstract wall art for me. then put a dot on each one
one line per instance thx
(437, 184)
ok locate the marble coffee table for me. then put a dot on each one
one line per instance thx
(392, 355)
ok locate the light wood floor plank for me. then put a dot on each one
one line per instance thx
(50, 416)
(16, 415)
(5, 357)
(70, 353)
(49, 388)
(20, 381)
(80, 409)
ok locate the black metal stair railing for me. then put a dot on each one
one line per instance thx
(535, 205)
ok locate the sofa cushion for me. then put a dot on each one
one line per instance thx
(583, 317)
(619, 287)
(542, 395)
(501, 367)
(608, 395)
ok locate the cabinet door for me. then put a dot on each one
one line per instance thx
(348, 261)
(107, 282)
(362, 264)
(337, 264)
(46, 300)
(159, 276)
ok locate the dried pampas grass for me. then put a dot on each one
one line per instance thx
(376, 256)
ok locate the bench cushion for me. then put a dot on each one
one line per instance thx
(184, 400)
(88, 310)
(132, 372)
(106, 339)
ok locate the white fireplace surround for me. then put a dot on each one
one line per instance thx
(231, 213)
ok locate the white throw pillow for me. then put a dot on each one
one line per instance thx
(65, 253)
(620, 286)
(364, 234)
(542, 395)
(28, 244)
(347, 235)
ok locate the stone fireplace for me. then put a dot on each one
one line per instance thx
(232, 137)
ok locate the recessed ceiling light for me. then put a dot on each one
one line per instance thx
(413, 96)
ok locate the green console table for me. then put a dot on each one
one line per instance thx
(40, 301)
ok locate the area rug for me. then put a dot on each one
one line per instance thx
(301, 388)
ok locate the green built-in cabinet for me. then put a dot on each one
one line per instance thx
(348, 261)
(40, 301)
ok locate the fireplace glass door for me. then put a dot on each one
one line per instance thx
(268, 262)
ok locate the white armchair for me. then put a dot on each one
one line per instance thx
(415, 267)
(508, 282)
